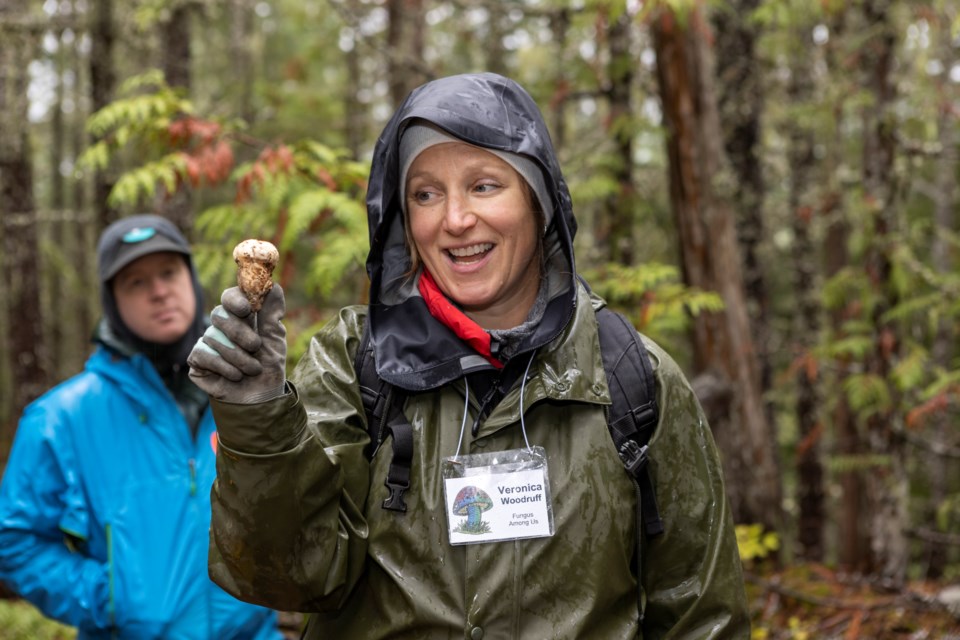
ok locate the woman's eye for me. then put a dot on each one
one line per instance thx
(486, 187)
(422, 196)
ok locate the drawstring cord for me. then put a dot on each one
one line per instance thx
(523, 386)
(466, 406)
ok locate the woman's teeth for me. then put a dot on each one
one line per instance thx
(463, 254)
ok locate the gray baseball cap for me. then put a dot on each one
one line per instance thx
(134, 237)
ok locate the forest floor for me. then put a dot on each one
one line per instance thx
(801, 602)
(813, 602)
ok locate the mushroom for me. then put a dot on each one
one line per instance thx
(471, 502)
(255, 262)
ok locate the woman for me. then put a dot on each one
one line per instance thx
(477, 313)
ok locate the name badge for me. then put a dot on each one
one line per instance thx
(497, 496)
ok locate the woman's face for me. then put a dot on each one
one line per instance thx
(473, 225)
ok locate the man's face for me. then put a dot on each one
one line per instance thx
(155, 297)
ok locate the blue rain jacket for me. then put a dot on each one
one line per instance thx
(105, 512)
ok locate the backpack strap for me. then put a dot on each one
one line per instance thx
(633, 414)
(383, 405)
(632, 417)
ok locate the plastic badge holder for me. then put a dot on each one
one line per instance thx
(492, 497)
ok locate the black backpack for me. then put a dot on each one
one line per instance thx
(631, 418)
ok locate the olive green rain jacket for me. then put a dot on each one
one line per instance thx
(298, 522)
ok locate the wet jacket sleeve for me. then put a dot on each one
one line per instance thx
(41, 507)
(692, 574)
(287, 527)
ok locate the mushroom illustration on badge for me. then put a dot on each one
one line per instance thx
(472, 502)
(492, 497)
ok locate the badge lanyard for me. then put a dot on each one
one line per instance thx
(498, 496)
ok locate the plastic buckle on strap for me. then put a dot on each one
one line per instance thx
(394, 501)
(634, 457)
(645, 415)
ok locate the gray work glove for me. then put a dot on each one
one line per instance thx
(241, 358)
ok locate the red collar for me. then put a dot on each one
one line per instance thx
(446, 312)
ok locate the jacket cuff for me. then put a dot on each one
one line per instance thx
(265, 428)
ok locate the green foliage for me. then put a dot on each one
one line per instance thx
(912, 369)
(855, 346)
(141, 115)
(653, 297)
(19, 620)
(868, 394)
(754, 542)
(948, 513)
(141, 182)
(857, 463)
(309, 200)
(944, 382)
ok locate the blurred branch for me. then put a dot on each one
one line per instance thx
(939, 537)
(937, 448)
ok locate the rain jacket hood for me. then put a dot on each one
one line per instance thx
(297, 509)
(489, 111)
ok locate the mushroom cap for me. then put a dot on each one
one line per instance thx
(258, 251)
(471, 495)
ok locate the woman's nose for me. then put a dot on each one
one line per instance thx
(459, 215)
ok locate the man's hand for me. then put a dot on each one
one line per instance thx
(241, 359)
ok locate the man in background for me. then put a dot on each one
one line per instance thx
(105, 501)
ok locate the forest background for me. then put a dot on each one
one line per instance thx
(767, 188)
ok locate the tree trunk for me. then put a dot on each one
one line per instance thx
(853, 540)
(177, 58)
(57, 203)
(497, 25)
(102, 86)
(723, 342)
(85, 297)
(560, 28)
(942, 351)
(405, 43)
(741, 99)
(618, 209)
(356, 114)
(810, 494)
(20, 263)
(886, 485)
(241, 31)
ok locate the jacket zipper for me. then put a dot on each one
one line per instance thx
(192, 464)
(111, 606)
(193, 477)
(492, 396)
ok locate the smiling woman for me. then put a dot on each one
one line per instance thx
(473, 225)
(514, 517)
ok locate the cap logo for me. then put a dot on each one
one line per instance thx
(139, 235)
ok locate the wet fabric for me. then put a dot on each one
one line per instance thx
(297, 518)
(105, 511)
(446, 312)
(414, 351)
(368, 573)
